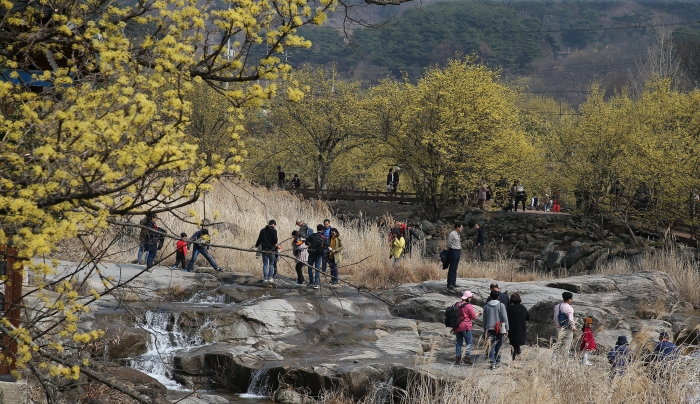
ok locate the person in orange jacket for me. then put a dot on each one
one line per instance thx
(181, 251)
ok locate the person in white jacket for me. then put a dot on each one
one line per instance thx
(496, 326)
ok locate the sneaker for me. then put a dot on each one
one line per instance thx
(218, 269)
(175, 267)
(587, 363)
(493, 366)
(316, 286)
(450, 287)
(299, 283)
(467, 360)
(272, 280)
(185, 270)
(265, 280)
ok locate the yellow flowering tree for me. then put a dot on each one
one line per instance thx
(454, 128)
(319, 130)
(630, 158)
(95, 122)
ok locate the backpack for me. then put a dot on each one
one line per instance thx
(305, 231)
(452, 316)
(317, 244)
(562, 318)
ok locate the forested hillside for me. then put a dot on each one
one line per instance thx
(534, 40)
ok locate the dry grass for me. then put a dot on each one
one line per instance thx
(240, 210)
(682, 268)
(541, 380)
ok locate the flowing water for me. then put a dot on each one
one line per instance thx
(258, 387)
(166, 339)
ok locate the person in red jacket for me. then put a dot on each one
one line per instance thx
(181, 251)
(587, 340)
(467, 314)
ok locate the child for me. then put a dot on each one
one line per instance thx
(181, 251)
(619, 356)
(587, 340)
(301, 253)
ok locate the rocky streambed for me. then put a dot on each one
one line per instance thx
(231, 333)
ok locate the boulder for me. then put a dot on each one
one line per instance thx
(429, 307)
(401, 343)
(126, 342)
(428, 227)
(575, 252)
(554, 260)
(288, 397)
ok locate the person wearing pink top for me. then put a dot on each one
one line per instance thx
(467, 314)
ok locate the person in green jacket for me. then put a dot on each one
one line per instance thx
(397, 245)
(335, 254)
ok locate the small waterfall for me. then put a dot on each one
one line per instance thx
(259, 384)
(206, 297)
(166, 339)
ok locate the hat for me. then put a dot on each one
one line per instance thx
(183, 234)
(588, 321)
(663, 335)
(621, 340)
(467, 294)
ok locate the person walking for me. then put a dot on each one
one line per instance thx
(454, 250)
(301, 254)
(317, 244)
(200, 241)
(517, 322)
(520, 196)
(619, 356)
(479, 242)
(398, 243)
(496, 327)
(564, 323)
(389, 182)
(502, 296)
(481, 198)
(335, 254)
(463, 332)
(395, 184)
(181, 252)
(296, 181)
(143, 235)
(587, 344)
(281, 176)
(152, 240)
(267, 243)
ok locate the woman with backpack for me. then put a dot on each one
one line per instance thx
(335, 254)
(463, 332)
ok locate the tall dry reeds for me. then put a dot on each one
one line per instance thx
(540, 380)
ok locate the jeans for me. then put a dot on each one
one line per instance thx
(142, 250)
(479, 254)
(268, 265)
(453, 258)
(151, 257)
(334, 270)
(315, 262)
(205, 253)
(465, 336)
(396, 261)
(496, 341)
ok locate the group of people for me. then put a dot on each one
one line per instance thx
(317, 250)
(152, 237)
(505, 317)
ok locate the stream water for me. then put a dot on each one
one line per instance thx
(166, 340)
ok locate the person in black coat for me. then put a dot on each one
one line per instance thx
(517, 317)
